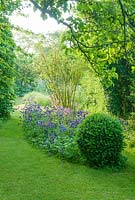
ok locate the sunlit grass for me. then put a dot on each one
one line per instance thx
(27, 173)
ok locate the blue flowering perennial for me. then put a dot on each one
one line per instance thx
(53, 128)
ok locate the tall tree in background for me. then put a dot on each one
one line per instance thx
(25, 70)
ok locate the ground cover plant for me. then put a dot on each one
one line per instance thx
(53, 129)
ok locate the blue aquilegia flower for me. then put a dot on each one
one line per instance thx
(63, 128)
(52, 128)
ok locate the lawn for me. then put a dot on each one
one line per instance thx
(26, 173)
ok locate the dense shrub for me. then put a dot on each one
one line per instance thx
(100, 139)
(7, 56)
(53, 129)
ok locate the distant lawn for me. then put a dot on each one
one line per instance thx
(28, 174)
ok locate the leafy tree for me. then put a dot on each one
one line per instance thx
(26, 76)
(93, 18)
(7, 57)
(104, 31)
(26, 39)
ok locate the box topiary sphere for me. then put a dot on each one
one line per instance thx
(100, 139)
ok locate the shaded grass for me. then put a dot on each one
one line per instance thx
(27, 173)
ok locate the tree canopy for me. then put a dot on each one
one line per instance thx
(104, 32)
(8, 6)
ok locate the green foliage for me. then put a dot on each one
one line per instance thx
(130, 139)
(130, 131)
(98, 32)
(25, 73)
(100, 139)
(53, 129)
(132, 91)
(38, 98)
(7, 57)
(41, 87)
(131, 121)
(52, 8)
(8, 6)
(26, 76)
(62, 72)
(119, 93)
(95, 34)
(90, 93)
(106, 42)
(104, 32)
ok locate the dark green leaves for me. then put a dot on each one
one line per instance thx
(100, 139)
(6, 68)
(8, 6)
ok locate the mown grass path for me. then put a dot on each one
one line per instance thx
(27, 173)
